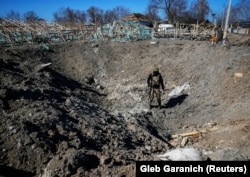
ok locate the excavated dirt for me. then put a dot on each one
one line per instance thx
(53, 123)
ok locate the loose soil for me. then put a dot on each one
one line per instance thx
(53, 123)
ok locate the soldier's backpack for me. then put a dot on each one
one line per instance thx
(156, 81)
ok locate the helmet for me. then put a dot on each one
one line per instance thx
(156, 68)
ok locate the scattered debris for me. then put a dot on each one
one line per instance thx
(59, 124)
(193, 133)
(42, 66)
(237, 75)
(181, 154)
(179, 89)
(154, 42)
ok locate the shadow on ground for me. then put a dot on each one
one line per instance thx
(175, 101)
(10, 171)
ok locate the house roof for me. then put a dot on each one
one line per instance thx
(136, 17)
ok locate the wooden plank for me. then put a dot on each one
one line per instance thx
(194, 132)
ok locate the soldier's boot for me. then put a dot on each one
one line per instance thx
(159, 104)
(149, 103)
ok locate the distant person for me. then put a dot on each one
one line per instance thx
(219, 34)
(213, 36)
(155, 84)
(216, 35)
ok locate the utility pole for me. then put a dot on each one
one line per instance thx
(214, 20)
(226, 22)
(223, 15)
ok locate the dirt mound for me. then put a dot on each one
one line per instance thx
(54, 123)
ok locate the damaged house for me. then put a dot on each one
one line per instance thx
(132, 27)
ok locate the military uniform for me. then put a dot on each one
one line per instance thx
(155, 84)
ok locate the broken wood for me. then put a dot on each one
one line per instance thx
(194, 132)
(237, 75)
(42, 66)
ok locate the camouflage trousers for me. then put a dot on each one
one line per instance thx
(154, 92)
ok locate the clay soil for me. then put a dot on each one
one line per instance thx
(53, 123)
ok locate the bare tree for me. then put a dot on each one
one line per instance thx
(116, 13)
(162, 5)
(70, 15)
(152, 14)
(81, 16)
(187, 17)
(240, 12)
(13, 15)
(178, 10)
(59, 15)
(120, 12)
(95, 15)
(173, 9)
(109, 16)
(65, 15)
(200, 9)
(31, 16)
